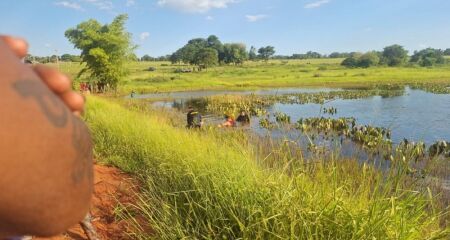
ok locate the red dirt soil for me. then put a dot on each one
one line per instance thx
(111, 188)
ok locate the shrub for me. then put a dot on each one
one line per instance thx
(350, 62)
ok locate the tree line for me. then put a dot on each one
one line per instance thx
(210, 51)
(106, 48)
(396, 55)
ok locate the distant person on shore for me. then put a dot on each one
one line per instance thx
(46, 171)
(243, 118)
(194, 118)
(133, 94)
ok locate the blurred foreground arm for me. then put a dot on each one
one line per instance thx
(45, 149)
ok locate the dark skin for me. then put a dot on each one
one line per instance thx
(46, 172)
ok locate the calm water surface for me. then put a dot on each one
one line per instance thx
(417, 115)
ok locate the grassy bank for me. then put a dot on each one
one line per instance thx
(276, 73)
(210, 185)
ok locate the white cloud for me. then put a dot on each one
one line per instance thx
(317, 4)
(48, 45)
(67, 4)
(195, 6)
(209, 18)
(130, 3)
(254, 18)
(101, 4)
(144, 36)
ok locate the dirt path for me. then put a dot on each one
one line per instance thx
(111, 186)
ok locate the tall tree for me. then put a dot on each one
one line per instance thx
(252, 54)
(394, 55)
(266, 52)
(234, 53)
(104, 49)
(207, 57)
(428, 57)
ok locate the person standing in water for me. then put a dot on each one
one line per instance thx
(243, 118)
(194, 118)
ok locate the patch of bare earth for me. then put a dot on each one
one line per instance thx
(112, 187)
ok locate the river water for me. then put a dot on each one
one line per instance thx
(417, 115)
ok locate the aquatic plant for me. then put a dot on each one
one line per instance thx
(282, 118)
(432, 88)
(330, 110)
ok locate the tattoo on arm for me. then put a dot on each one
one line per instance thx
(55, 112)
(59, 116)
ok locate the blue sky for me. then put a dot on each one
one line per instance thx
(160, 27)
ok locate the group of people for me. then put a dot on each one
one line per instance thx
(194, 119)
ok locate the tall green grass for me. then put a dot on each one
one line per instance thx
(208, 185)
(254, 75)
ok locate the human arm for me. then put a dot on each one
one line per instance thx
(46, 151)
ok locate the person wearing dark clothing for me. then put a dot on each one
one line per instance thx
(194, 118)
(243, 118)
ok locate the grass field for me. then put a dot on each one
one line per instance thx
(276, 73)
(211, 185)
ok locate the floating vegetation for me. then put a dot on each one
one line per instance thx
(330, 110)
(432, 88)
(374, 140)
(256, 105)
(251, 104)
(266, 123)
(371, 137)
(325, 125)
(282, 118)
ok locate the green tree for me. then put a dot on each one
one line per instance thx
(266, 52)
(104, 50)
(352, 61)
(234, 53)
(428, 57)
(66, 57)
(147, 58)
(214, 42)
(394, 55)
(176, 57)
(207, 57)
(447, 52)
(368, 59)
(252, 54)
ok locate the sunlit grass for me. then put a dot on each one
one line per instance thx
(276, 73)
(212, 185)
